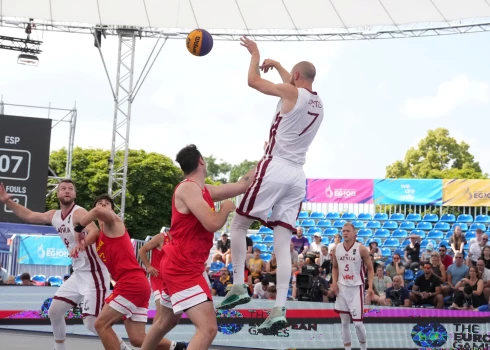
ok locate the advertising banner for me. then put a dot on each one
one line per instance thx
(43, 250)
(468, 193)
(408, 191)
(339, 191)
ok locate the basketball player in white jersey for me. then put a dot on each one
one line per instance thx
(350, 260)
(279, 183)
(90, 279)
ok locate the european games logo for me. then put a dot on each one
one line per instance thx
(229, 329)
(431, 335)
(339, 192)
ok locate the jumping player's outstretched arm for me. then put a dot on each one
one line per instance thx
(271, 64)
(370, 270)
(25, 214)
(284, 91)
(111, 221)
(191, 196)
(156, 241)
(222, 192)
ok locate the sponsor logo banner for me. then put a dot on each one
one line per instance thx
(43, 250)
(463, 192)
(339, 191)
(408, 191)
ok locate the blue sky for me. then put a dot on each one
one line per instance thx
(381, 97)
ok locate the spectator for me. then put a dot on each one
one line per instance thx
(427, 253)
(300, 243)
(485, 255)
(476, 250)
(223, 251)
(26, 279)
(324, 261)
(256, 265)
(412, 253)
(315, 248)
(465, 300)
(380, 284)
(398, 295)
(478, 238)
(220, 284)
(427, 289)
(438, 268)
(455, 273)
(485, 276)
(250, 245)
(473, 283)
(445, 259)
(374, 250)
(3, 274)
(294, 257)
(260, 289)
(396, 268)
(270, 269)
(271, 292)
(10, 280)
(457, 240)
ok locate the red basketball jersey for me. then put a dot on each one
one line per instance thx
(119, 257)
(157, 254)
(191, 242)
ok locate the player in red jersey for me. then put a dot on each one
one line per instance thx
(194, 221)
(155, 245)
(131, 294)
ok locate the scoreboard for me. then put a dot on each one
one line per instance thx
(24, 161)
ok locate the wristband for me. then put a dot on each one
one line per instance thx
(79, 228)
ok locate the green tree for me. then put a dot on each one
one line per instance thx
(151, 181)
(241, 169)
(217, 172)
(438, 156)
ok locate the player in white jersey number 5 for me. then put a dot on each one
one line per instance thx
(279, 183)
(350, 261)
(90, 279)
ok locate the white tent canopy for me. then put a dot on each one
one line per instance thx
(300, 16)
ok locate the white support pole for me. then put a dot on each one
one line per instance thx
(118, 163)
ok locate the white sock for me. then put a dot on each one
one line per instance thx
(123, 345)
(282, 249)
(363, 346)
(348, 348)
(173, 345)
(59, 346)
(239, 226)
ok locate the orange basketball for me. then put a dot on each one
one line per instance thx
(199, 42)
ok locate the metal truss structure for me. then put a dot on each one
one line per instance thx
(18, 44)
(58, 115)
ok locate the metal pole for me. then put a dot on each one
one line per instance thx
(71, 142)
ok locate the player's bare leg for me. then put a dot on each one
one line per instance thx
(238, 293)
(203, 316)
(107, 317)
(164, 324)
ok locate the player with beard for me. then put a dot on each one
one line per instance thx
(90, 279)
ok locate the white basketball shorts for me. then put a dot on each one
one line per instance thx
(350, 301)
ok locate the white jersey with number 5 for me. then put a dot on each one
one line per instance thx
(87, 260)
(351, 266)
(292, 133)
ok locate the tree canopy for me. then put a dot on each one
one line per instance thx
(438, 156)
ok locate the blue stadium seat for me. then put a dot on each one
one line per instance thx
(397, 217)
(443, 226)
(17, 279)
(333, 216)
(476, 226)
(390, 225)
(448, 234)
(385, 252)
(266, 257)
(382, 233)
(364, 217)
(311, 231)
(435, 234)
(358, 224)
(400, 252)
(407, 225)
(485, 219)
(464, 226)
(256, 238)
(470, 235)
(388, 261)
(380, 217)
(330, 231)
(445, 243)
(373, 225)
(324, 223)
(216, 266)
(424, 225)
(420, 233)
(262, 247)
(424, 243)
(448, 218)
(467, 218)
(55, 281)
(268, 239)
(339, 223)
(303, 215)
(265, 230)
(230, 267)
(408, 276)
(365, 232)
(404, 244)
(308, 223)
(377, 240)
(414, 217)
(360, 240)
(399, 234)
(349, 216)
(271, 249)
(391, 243)
(325, 241)
(38, 279)
(431, 218)
(317, 215)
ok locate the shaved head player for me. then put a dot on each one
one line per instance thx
(279, 183)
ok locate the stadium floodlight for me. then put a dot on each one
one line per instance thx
(28, 60)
